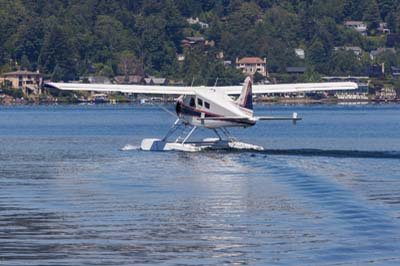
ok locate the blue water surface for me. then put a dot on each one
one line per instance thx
(325, 192)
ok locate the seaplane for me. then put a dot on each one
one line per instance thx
(213, 108)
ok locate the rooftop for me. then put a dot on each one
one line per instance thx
(21, 73)
(381, 50)
(155, 81)
(196, 39)
(296, 69)
(357, 48)
(250, 60)
(352, 22)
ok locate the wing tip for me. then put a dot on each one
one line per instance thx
(51, 85)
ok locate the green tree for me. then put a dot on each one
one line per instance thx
(317, 55)
(174, 23)
(28, 41)
(103, 70)
(371, 14)
(109, 32)
(385, 6)
(12, 14)
(127, 63)
(393, 20)
(344, 63)
(57, 51)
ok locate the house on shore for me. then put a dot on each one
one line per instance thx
(252, 65)
(29, 82)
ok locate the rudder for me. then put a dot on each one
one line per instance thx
(246, 96)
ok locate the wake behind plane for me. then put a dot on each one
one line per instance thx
(212, 108)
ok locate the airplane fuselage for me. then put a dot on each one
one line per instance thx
(206, 107)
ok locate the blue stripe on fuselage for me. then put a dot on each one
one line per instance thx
(186, 110)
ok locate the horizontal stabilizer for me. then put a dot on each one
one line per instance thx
(255, 118)
(227, 118)
(294, 118)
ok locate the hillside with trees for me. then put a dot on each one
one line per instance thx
(67, 39)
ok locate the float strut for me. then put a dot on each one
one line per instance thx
(172, 130)
(188, 136)
(216, 132)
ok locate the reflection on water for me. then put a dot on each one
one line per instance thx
(69, 196)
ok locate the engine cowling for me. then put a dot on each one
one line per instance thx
(178, 107)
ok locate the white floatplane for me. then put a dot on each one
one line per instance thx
(211, 108)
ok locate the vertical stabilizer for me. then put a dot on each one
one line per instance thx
(246, 96)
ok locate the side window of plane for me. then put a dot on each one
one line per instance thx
(192, 102)
(199, 102)
(207, 105)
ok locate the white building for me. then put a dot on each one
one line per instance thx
(300, 53)
(359, 26)
(355, 49)
(193, 21)
(252, 65)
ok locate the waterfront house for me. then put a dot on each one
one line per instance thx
(252, 65)
(29, 82)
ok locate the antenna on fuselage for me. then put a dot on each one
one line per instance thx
(216, 82)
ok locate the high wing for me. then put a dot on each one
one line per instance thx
(295, 87)
(181, 90)
(145, 89)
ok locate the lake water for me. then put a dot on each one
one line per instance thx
(326, 191)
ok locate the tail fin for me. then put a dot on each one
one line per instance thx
(246, 96)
